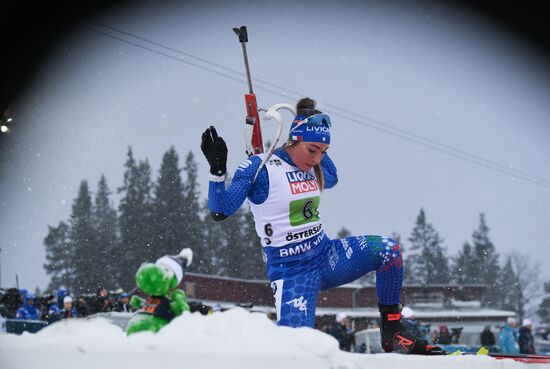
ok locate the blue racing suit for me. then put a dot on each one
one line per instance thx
(299, 271)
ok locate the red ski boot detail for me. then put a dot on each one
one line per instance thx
(403, 342)
(393, 317)
(396, 338)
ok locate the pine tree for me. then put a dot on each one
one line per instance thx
(529, 282)
(396, 237)
(343, 233)
(59, 256)
(193, 225)
(485, 265)
(238, 252)
(252, 264)
(233, 252)
(462, 266)
(105, 224)
(221, 246)
(207, 258)
(510, 293)
(192, 220)
(169, 233)
(544, 307)
(427, 262)
(87, 271)
(134, 220)
(438, 267)
(414, 267)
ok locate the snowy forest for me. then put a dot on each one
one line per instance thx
(103, 245)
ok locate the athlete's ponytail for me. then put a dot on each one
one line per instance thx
(320, 177)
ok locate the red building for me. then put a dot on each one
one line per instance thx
(353, 296)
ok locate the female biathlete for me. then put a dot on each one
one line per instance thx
(284, 196)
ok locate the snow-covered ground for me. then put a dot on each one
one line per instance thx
(230, 339)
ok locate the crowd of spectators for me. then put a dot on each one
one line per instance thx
(510, 340)
(517, 341)
(50, 307)
(21, 304)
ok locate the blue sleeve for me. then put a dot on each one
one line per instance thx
(329, 171)
(228, 201)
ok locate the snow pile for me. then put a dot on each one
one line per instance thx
(232, 339)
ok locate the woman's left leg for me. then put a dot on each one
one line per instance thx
(351, 258)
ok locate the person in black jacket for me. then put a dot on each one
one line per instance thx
(487, 338)
(443, 336)
(101, 302)
(526, 341)
(341, 330)
(10, 302)
(123, 303)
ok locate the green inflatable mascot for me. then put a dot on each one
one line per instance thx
(165, 301)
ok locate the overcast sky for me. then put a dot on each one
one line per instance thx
(406, 87)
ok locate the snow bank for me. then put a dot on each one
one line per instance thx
(232, 339)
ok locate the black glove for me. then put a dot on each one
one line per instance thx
(215, 151)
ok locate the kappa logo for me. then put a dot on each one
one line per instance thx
(275, 162)
(299, 303)
(301, 182)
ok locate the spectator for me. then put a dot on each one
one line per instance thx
(409, 321)
(60, 295)
(101, 302)
(68, 310)
(508, 340)
(487, 338)
(42, 303)
(28, 311)
(341, 330)
(23, 294)
(123, 303)
(443, 336)
(82, 306)
(526, 340)
(10, 302)
(55, 312)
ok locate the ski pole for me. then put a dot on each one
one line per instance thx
(253, 132)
